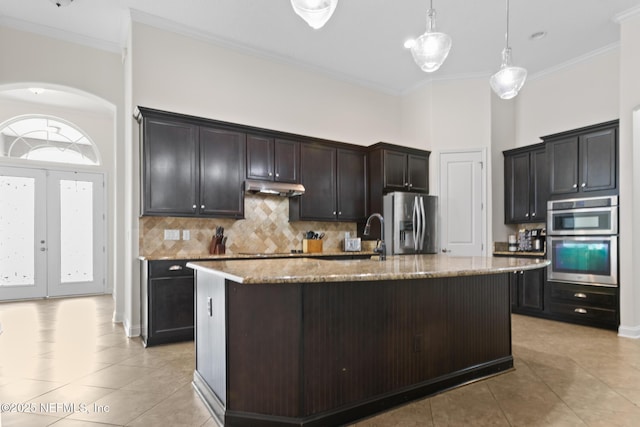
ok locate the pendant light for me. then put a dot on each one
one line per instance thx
(432, 48)
(315, 12)
(508, 81)
(61, 3)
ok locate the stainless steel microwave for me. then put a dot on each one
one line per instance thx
(586, 216)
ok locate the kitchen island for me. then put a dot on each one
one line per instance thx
(313, 342)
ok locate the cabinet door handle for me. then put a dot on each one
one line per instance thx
(580, 311)
(277, 175)
(575, 186)
(270, 174)
(194, 207)
(406, 184)
(522, 272)
(533, 214)
(580, 295)
(334, 212)
(201, 206)
(175, 268)
(526, 215)
(584, 184)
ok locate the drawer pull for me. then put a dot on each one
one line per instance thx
(580, 311)
(580, 295)
(175, 268)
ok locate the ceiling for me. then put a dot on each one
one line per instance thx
(363, 41)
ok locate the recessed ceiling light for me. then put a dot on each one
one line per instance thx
(36, 90)
(538, 35)
(408, 44)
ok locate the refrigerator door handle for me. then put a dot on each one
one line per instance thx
(416, 223)
(423, 223)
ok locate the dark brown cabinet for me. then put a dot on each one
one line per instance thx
(584, 160)
(272, 159)
(167, 297)
(526, 184)
(190, 168)
(394, 168)
(588, 305)
(527, 290)
(335, 184)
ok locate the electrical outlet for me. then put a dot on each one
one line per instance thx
(186, 235)
(171, 234)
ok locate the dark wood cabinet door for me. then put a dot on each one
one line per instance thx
(563, 156)
(170, 169)
(222, 155)
(395, 171)
(171, 309)
(531, 289)
(260, 157)
(318, 175)
(517, 195)
(418, 173)
(351, 185)
(598, 160)
(539, 190)
(286, 160)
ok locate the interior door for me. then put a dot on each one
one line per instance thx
(463, 197)
(53, 232)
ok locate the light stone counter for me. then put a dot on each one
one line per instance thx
(398, 267)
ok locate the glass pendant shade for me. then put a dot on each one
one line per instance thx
(315, 12)
(432, 48)
(508, 81)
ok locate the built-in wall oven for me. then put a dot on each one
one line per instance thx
(582, 240)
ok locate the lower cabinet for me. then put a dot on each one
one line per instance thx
(583, 304)
(167, 297)
(527, 291)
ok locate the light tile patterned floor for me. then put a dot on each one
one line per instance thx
(67, 363)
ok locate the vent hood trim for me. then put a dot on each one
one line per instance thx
(282, 189)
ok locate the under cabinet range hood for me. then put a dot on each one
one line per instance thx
(276, 188)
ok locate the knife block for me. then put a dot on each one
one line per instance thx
(310, 246)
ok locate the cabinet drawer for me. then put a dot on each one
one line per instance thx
(584, 295)
(169, 268)
(585, 312)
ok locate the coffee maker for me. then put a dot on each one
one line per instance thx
(537, 238)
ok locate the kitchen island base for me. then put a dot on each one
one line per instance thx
(327, 354)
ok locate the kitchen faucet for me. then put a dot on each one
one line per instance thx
(382, 247)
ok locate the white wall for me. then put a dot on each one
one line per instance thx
(575, 96)
(630, 177)
(182, 74)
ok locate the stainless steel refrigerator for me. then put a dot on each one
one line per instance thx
(410, 223)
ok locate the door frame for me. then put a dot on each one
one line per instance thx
(484, 196)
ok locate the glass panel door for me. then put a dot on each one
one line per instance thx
(77, 231)
(23, 253)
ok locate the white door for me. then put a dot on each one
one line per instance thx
(57, 219)
(462, 202)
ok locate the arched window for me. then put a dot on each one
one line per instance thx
(48, 139)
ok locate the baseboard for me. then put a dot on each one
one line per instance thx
(629, 332)
(131, 330)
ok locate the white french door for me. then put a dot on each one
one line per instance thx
(52, 233)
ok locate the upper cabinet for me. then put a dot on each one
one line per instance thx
(335, 184)
(190, 168)
(273, 159)
(395, 168)
(526, 184)
(584, 160)
(403, 170)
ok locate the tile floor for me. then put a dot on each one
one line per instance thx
(64, 363)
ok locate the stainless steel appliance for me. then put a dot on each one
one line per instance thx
(582, 240)
(410, 223)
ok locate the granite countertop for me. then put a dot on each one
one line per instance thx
(309, 270)
(256, 255)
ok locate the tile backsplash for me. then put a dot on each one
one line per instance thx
(265, 229)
